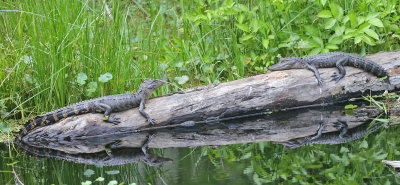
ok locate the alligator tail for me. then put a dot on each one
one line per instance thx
(368, 66)
(50, 118)
(44, 152)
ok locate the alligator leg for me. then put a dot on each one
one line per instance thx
(343, 128)
(316, 73)
(339, 64)
(144, 114)
(146, 143)
(107, 111)
(149, 157)
(109, 147)
(319, 132)
(308, 140)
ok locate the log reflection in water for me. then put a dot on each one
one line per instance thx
(277, 127)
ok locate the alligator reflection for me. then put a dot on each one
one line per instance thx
(291, 128)
(109, 157)
(343, 135)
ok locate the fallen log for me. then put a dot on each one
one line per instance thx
(271, 91)
(288, 128)
(394, 164)
(268, 92)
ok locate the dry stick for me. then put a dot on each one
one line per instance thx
(16, 175)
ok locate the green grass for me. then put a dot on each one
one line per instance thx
(52, 53)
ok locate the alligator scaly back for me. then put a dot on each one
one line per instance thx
(106, 105)
(333, 59)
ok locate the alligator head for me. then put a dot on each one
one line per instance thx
(288, 63)
(152, 84)
(149, 85)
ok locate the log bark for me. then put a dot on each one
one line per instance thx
(277, 127)
(270, 92)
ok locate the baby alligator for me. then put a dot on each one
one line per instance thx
(333, 59)
(106, 104)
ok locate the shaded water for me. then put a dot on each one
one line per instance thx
(241, 161)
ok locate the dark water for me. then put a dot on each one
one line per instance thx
(234, 164)
(355, 162)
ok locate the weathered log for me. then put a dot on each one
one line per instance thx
(394, 164)
(277, 127)
(268, 92)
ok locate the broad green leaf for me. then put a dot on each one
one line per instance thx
(255, 25)
(360, 19)
(246, 155)
(240, 18)
(372, 15)
(86, 183)
(182, 80)
(241, 7)
(105, 77)
(339, 30)
(92, 87)
(163, 66)
(112, 172)
(344, 150)
(336, 10)
(323, 2)
(376, 22)
(350, 106)
(364, 144)
(312, 44)
(243, 27)
(335, 40)
(368, 40)
(332, 46)
(371, 33)
(312, 30)
(353, 20)
(330, 23)
(380, 156)
(363, 27)
(247, 37)
(357, 39)
(265, 43)
(345, 19)
(81, 78)
(325, 50)
(325, 14)
(319, 41)
(349, 33)
(315, 51)
(335, 158)
(113, 182)
(271, 37)
(99, 179)
(88, 172)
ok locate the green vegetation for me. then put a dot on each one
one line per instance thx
(356, 162)
(54, 53)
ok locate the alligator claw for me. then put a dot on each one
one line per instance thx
(319, 82)
(151, 121)
(115, 144)
(336, 76)
(338, 125)
(113, 120)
